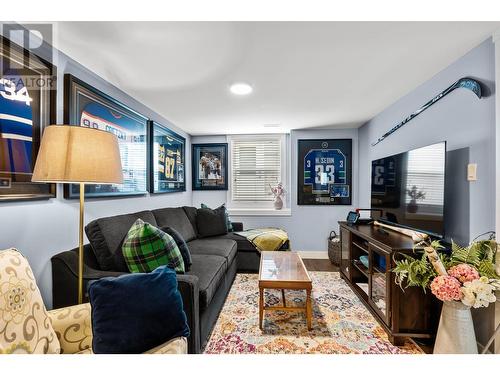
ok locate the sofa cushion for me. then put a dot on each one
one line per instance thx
(146, 248)
(106, 236)
(191, 214)
(136, 312)
(176, 218)
(211, 222)
(181, 244)
(210, 270)
(25, 327)
(214, 246)
(242, 243)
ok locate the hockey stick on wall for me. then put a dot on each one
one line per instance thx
(466, 83)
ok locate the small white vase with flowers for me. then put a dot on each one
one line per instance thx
(278, 192)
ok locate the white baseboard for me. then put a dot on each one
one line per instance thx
(313, 254)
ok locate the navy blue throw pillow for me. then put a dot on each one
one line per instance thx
(182, 245)
(136, 312)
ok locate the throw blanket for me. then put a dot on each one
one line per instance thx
(265, 239)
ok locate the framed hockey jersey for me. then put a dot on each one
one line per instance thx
(86, 106)
(27, 105)
(324, 172)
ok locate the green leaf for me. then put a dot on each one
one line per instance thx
(471, 255)
(486, 268)
(437, 245)
(413, 272)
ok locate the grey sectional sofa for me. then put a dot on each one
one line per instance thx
(216, 260)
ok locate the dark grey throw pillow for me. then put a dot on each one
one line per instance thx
(211, 222)
(181, 244)
(106, 236)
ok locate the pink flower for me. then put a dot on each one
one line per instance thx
(463, 272)
(446, 288)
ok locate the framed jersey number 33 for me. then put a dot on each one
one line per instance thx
(324, 172)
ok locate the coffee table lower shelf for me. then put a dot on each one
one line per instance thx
(307, 308)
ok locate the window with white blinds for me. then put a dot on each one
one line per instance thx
(255, 164)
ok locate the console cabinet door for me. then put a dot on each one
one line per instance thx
(345, 259)
(379, 298)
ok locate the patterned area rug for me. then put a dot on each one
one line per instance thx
(341, 324)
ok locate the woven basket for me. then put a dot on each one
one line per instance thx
(334, 248)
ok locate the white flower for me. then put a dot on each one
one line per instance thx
(495, 283)
(478, 293)
(468, 297)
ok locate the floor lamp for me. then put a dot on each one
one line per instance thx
(78, 155)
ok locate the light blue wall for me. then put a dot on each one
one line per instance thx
(462, 120)
(41, 229)
(308, 226)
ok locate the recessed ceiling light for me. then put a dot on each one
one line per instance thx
(272, 125)
(241, 88)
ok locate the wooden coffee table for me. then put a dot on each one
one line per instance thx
(284, 270)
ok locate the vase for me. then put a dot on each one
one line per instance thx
(456, 330)
(278, 203)
(412, 207)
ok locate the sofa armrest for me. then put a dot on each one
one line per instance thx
(73, 327)
(237, 226)
(70, 260)
(188, 286)
(65, 278)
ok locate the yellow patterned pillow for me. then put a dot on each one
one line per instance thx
(25, 326)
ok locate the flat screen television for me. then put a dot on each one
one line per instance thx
(409, 189)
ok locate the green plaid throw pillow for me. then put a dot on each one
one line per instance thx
(146, 248)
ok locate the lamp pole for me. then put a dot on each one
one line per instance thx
(80, 248)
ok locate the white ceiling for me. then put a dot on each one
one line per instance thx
(304, 74)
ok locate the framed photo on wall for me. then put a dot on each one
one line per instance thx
(324, 174)
(27, 105)
(209, 166)
(86, 106)
(168, 160)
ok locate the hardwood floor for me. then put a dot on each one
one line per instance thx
(323, 265)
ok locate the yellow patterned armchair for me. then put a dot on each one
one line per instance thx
(27, 327)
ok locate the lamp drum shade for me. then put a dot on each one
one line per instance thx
(74, 154)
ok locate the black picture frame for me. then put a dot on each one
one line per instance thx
(85, 105)
(167, 164)
(24, 76)
(202, 173)
(324, 172)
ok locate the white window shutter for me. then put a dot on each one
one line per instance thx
(256, 164)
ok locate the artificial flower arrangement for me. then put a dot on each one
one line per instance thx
(468, 274)
(278, 190)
